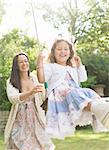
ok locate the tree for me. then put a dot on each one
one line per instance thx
(91, 28)
(94, 31)
(10, 44)
(66, 15)
(94, 43)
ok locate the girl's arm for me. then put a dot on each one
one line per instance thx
(76, 61)
(40, 69)
(81, 71)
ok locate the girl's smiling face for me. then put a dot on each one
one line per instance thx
(62, 53)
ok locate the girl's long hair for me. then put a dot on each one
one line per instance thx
(15, 73)
(52, 55)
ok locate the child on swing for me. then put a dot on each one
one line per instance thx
(67, 101)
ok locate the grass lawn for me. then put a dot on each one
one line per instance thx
(1, 143)
(84, 139)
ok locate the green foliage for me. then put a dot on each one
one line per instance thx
(90, 82)
(97, 66)
(91, 27)
(4, 103)
(93, 34)
(93, 38)
(11, 44)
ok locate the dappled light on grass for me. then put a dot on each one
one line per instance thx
(84, 139)
(87, 134)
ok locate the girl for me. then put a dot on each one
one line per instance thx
(25, 129)
(68, 103)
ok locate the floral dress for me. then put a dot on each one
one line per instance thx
(28, 132)
(65, 107)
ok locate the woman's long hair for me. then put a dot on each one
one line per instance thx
(52, 55)
(15, 73)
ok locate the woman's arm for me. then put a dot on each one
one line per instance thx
(34, 90)
(15, 97)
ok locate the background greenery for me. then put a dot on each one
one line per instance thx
(10, 44)
(91, 29)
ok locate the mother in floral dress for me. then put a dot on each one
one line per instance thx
(25, 129)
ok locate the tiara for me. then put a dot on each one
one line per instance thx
(70, 39)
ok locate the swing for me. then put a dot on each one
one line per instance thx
(44, 105)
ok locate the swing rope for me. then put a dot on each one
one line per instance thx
(45, 102)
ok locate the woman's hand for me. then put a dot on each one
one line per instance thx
(36, 89)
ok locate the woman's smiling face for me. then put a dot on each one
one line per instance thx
(23, 63)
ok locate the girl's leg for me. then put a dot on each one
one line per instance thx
(97, 106)
(101, 110)
(88, 107)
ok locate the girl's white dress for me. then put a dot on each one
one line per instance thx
(65, 104)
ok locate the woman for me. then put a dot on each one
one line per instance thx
(25, 127)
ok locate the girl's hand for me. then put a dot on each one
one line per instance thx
(77, 61)
(40, 57)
